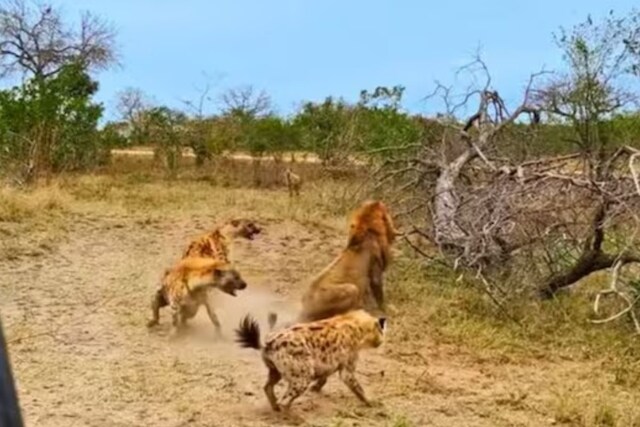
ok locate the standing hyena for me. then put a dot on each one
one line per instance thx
(313, 351)
(293, 181)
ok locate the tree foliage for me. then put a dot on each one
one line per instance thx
(593, 88)
(51, 124)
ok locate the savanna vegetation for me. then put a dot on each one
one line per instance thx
(514, 287)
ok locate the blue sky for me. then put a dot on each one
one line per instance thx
(306, 50)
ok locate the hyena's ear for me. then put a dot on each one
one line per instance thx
(382, 323)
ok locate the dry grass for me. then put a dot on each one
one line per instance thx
(459, 312)
(31, 222)
(42, 203)
(434, 308)
(595, 408)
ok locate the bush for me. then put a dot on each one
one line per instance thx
(50, 124)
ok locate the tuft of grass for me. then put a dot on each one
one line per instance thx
(597, 406)
(401, 421)
(39, 204)
(32, 222)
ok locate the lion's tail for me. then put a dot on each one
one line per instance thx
(248, 333)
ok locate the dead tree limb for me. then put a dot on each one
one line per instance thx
(448, 234)
(613, 290)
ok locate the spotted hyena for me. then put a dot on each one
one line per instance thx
(308, 352)
(215, 244)
(293, 181)
(185, 288)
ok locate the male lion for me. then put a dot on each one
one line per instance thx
(356, 274)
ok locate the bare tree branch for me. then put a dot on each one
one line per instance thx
(246, 100)
(34, 40)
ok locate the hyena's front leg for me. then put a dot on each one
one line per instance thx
(213, 317)
(347, 375)
(157, 301)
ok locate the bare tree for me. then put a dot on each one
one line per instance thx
(196, 106)
(35, 40)
(131, 102)
(535, 224)
(133, 106)
(245, 100)
(199, 129)
(477, 134)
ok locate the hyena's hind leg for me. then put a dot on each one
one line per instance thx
(274, 378)
(297, 386)
(299, 380)
(157, 301)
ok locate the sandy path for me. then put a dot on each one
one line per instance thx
(86, 358)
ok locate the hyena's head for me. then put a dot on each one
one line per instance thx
(202, 272)
(228, 280)
(372, 329)
(241, 228)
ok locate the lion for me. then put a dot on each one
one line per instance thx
(293, 181)
(356, 275)
(185, 288)
(215, 244)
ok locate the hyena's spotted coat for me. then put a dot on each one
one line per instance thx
(308, 352)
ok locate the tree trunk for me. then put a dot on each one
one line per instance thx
(447, 232)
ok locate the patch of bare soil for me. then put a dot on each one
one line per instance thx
(75, 320)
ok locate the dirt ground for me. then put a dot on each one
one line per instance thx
(75, 318)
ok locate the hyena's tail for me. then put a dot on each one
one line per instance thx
(248, 333)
